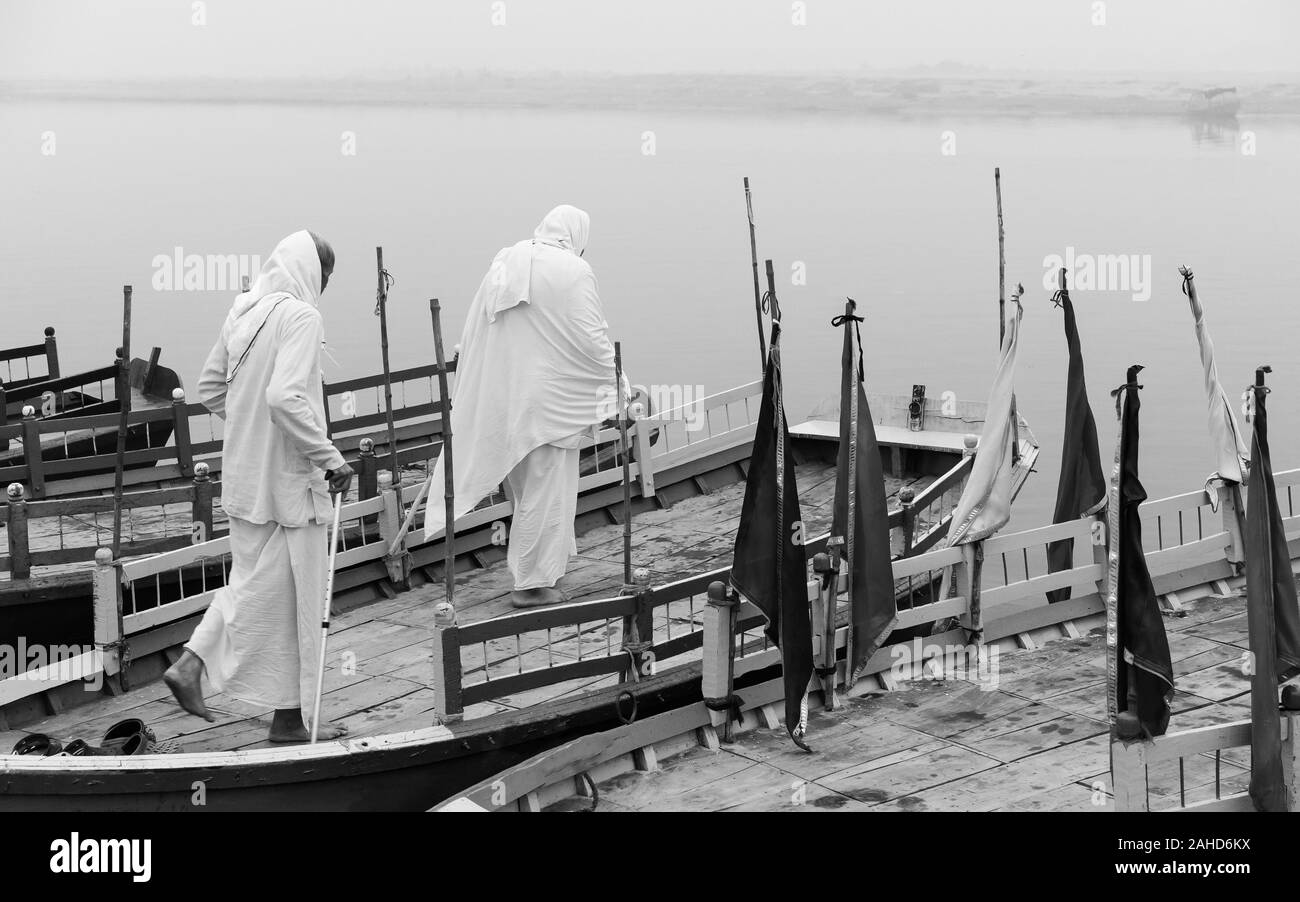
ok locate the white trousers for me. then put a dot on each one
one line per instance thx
(260, 637)
(544, 488)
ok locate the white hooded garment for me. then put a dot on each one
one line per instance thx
(260, 637)
(536, 363)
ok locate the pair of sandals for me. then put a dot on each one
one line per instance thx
(127, 737)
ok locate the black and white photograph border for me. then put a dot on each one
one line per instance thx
(393, 441)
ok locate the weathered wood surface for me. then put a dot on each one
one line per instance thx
(380, 669)
(1036, 739)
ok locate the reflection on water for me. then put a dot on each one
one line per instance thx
(1220, 130)
(896, 213)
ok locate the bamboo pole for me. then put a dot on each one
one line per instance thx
(449, 485)
(1002, 307)
(381, 310)
(851, 508)
(119, 466)
(627, 475)
(124, 409)
(758, 293)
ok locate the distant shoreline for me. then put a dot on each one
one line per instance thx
(847, 94)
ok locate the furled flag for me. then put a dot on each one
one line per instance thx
(1081, 491)
(866, 544)
(1141, 673)
(1229, 448)
(985, 503)
(770, 564)
(1271, 614)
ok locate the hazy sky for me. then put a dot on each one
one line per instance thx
(80, 39)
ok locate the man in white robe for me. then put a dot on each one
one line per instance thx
(535, 373)
(259, 640)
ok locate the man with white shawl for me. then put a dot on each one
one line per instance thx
(259, 640)
(535, 365)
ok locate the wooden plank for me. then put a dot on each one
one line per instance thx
(1172, 505)
(921, 563)
(929, 613)
(1192, 554)
(1039, 617)
(166, 613)
(1203, 739)
(1040, 585)
(582, 754)
(170, 560)
(1239, 802)
(1017, 541)
(535, 620)
(41, 679)
(104, 503)
(498, 687)
(707, 403)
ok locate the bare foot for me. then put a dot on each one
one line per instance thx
(537, 598)
(287, 726)
(184, 679)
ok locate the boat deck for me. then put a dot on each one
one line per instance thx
(378, 680)
(1035, 740)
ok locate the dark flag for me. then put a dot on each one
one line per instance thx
(866, 545)
(1140, 671)
(770, 564)
(1081, 490)
(1271, 614)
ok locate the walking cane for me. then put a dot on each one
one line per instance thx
(325, 614)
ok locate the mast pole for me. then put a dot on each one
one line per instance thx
(449, 485)
(758, 292)
(381, 310)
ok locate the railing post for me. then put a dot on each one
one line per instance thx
(32, 452)
(397, 560)
(367, 470)
(905, 498)
(645, 467)
(638, 628)
(1291, 760)
(1128, 773)
(20, 559)
(106, 585)
(972, 572)
(1232, 510)
(447, 704)
(51, 353)
(719, 655)
(201, 505)
(181, 432)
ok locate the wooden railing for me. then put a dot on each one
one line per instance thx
(1144, 772)
(89, 521)
(11, 358)
(925, 518)
(196, 433)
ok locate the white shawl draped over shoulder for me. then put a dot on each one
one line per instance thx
(535, 363)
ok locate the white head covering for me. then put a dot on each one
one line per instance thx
(565, 227)
(292, 271)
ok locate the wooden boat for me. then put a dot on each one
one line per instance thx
(1214, 103)
(502, 685)
(1025, 729)
(84, 446)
